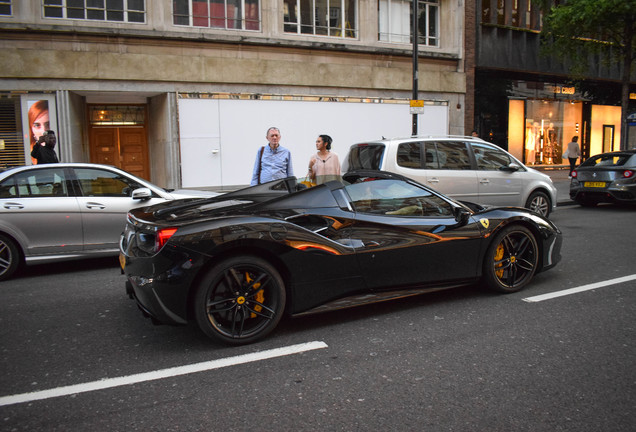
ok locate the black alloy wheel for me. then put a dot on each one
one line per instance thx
(240, 300)
(511, 260)
(10, 257)
(540, 203)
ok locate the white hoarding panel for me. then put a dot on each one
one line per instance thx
(242, 125)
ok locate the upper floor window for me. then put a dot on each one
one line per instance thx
(132, 11)
(5, 7)
(336, 18)
(224, 14)
(395, 18)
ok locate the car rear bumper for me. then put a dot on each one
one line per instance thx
(160, 285)
(626, 194)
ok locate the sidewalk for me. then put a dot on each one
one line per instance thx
(559, 176)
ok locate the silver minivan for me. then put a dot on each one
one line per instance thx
(464, 168)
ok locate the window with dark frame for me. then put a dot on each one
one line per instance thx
(220, 14)
(334, 18)
(5, 8)
(395, 21)
(131, 11)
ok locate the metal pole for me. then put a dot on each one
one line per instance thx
(415, 55)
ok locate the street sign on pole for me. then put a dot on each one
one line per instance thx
(417, 107)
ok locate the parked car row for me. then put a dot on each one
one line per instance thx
(69, 211)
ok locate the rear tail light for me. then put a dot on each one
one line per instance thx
(162, 237)
(574, 174)
(628, 173)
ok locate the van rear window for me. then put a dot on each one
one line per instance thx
(366, 156)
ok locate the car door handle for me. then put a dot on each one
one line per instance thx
(13, 206)
(433, 180)
(484, 181)
(95, 206)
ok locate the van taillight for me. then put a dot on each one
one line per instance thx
(628, 173)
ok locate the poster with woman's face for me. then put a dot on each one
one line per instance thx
(38, 115)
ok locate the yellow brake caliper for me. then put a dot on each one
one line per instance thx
(260, 296)
(499, 253)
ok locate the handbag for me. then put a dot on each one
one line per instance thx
(565, 154)
(307, 181)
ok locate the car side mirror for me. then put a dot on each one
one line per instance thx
(142, 194)
(512, 167)
(461, 215)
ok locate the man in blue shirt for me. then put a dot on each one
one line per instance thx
(272, 161)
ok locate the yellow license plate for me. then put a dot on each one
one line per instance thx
(594, 184)
(122, 260)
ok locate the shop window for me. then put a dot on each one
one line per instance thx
(486, 11)
(5, 8)
(336, 18)
(514, 13)
(131, 11)
(608, 138)
(501, 12)
(220, 14)
(395, 21)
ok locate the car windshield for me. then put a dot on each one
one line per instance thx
(366, 156)
(607, 160)
(396, 198)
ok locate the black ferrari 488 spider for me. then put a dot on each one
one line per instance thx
(238, 262)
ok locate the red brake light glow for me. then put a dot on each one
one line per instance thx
(574, 174)
(628, 173)
(163, 235)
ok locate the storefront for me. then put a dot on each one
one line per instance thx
(536, 120)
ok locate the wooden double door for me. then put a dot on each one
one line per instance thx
(123, 147)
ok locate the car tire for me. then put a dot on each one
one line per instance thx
(539, 202)
(240, 300)
(10, 257)
(511, 259)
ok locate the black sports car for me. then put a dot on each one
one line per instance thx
(238, 262)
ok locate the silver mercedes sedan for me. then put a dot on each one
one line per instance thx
(69, 211)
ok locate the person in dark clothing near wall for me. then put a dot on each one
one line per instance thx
(43, 151)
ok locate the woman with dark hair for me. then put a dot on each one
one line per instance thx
(324, 166)
(573, 153)
(44, 150)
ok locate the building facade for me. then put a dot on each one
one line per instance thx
(527, 102)
(181, 92)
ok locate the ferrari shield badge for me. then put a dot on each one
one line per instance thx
(485, 222)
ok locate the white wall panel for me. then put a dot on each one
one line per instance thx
(242, 125)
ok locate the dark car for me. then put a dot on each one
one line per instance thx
(605, 178)
(237, 263)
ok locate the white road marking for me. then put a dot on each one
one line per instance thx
(160, 374)
(575, 290)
